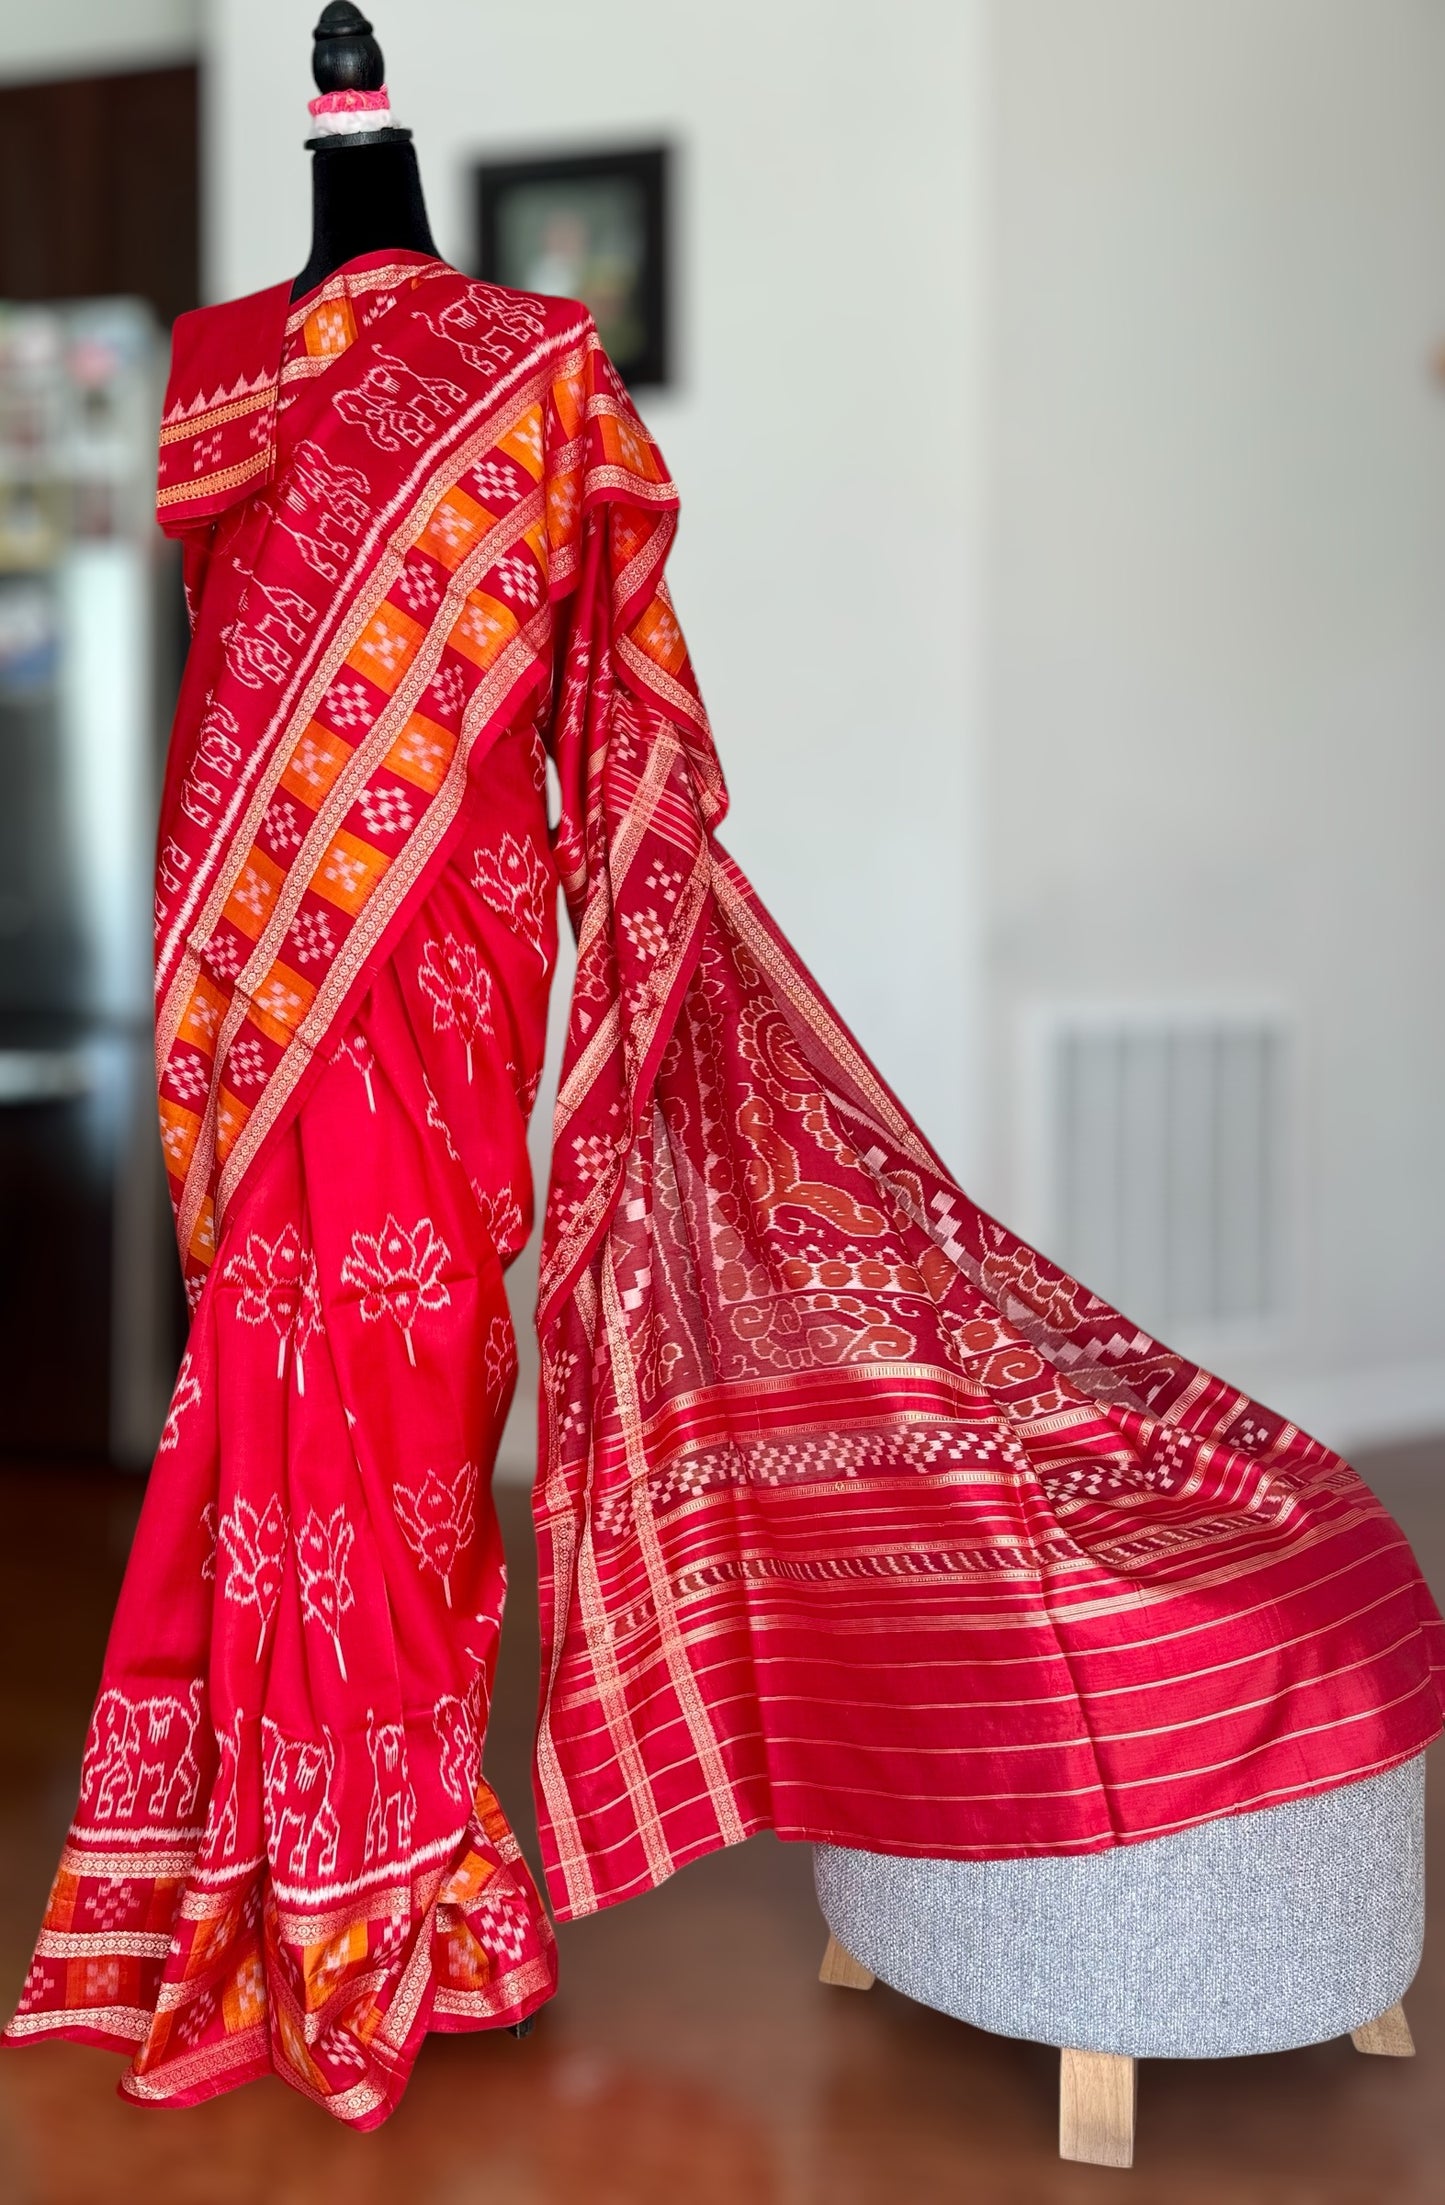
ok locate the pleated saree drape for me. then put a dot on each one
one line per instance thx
(857, 1519)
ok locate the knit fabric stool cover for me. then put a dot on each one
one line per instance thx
(1253, 1933)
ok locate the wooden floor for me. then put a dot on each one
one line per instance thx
(692, 2057)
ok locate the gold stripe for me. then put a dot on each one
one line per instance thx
(118, 2021)
(127, 1944)
(572, 1858)
(359, 281)
(225, 478)
(194, 424)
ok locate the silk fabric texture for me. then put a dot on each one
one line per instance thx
(857, 1519)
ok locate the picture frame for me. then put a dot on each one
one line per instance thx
(592, 226)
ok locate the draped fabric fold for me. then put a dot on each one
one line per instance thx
(857, 1519)
(285, 1856)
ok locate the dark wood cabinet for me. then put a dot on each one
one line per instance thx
(99, 189)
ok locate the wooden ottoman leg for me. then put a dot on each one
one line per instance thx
(840, 1968)
(1096, 2108)
(1388, 2035)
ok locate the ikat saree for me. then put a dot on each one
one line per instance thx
(857, 1519)
(284, 1855)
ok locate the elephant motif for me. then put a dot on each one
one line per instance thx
(219, 1842)
(261, 645)
(324, 507)
(299, 1778)
(461, 1747)
(395, 405)
(218, 753)
(393, 1802)
(487, 327)
(140, 1756)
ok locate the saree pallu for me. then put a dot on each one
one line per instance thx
(857, 1519)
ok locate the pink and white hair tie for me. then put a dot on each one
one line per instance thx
(342, 114)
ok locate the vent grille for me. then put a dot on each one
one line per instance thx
(1163, 1161)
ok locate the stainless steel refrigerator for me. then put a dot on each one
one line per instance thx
(88, 1310)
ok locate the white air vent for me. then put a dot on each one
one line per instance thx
(1157, 1164)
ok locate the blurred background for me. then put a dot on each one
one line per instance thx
(1056, 389)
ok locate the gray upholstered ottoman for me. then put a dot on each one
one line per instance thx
(1252, 1934)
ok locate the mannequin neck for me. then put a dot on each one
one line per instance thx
(364, 199)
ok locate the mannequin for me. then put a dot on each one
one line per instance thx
(366, 197)
(366, 193)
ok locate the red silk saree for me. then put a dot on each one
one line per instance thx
(857, 1519)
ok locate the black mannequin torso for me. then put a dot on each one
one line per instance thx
(364, 199)
(366, 193)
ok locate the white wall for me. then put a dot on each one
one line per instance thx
(1217, 572)
(826, 433)
(1064, 487)
(85, 37)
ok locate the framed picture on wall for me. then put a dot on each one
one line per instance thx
(589, 226)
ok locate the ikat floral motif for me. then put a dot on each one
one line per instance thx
(398, 1275)
(323, 1554)
(438, 1518)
